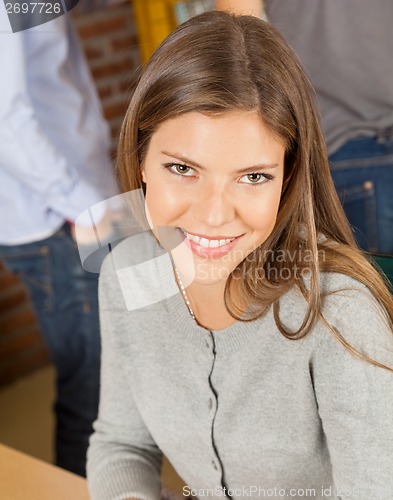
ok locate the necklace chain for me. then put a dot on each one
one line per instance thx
(185, 296)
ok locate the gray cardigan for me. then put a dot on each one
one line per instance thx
(242, 411)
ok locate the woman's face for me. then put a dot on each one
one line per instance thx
(216, 181)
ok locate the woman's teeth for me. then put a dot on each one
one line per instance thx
(204, 242)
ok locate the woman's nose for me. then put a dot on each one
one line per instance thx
(214, 206)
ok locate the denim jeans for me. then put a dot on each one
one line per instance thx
(64, 297)
(363, 173)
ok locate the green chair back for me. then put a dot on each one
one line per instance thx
(385, 262)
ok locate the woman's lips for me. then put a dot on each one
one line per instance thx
(211, 252)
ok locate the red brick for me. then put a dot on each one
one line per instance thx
(113, 68)
(126, 42)
(7, 280)
(115, 131)
(22, 347)
(98, 28)
(9, 301)
(115, 110)
(93, 52)
(22, 342)
(105, 92)
(17, 320)
(22, 365)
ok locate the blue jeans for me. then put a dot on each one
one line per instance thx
(64, 297)
(363, 173)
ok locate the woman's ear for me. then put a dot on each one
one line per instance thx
(143, 173)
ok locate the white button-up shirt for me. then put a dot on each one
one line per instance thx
(54, 142)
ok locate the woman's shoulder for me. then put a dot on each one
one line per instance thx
(341, 292)
(349, 307)
(336, 291)
(355, 314)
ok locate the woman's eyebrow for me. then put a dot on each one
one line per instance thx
(261, 166)
(191, 163)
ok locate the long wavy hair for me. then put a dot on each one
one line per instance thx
(218, 62)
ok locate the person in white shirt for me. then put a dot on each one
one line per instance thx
(54, 164)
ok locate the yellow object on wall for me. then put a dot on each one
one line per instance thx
(155, 19)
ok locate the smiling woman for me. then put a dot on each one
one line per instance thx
(195, 179)
(222, 138)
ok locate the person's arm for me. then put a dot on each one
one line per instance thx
(251, 7)
(355, 399)
(123, 459)
(27, 153)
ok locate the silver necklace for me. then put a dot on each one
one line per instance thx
(185, 296)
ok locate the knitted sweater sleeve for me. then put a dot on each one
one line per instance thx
(123, 459)
(355, 398)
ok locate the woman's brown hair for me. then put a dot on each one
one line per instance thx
(218, 62)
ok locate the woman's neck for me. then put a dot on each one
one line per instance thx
(207, 303)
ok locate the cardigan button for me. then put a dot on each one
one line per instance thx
(214, 465)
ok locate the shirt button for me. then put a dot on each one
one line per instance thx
(207, 344)
(214, 465)
(210, 403)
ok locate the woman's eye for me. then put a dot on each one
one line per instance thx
(180, 169)
(255, 178)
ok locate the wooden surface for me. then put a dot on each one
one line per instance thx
(23, 477)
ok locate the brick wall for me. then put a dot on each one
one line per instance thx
(22, 348)
(110, 42)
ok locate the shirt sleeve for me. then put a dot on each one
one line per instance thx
(123, 459)
(27, 154)
(355, 399)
